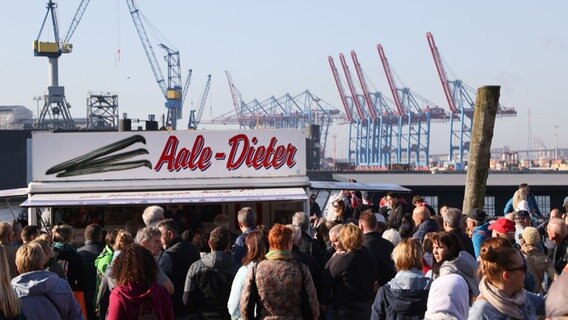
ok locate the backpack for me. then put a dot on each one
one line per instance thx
(146, 311)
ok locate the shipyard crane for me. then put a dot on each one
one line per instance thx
(172, 90)
(55, 113)
(342, 95)
(195, 120)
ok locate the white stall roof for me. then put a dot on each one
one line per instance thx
(165, 197)
(337, 185)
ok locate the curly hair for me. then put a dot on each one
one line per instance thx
(135, 264)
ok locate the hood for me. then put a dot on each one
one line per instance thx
(134, 293)
(218, 260)
(464, 265)
(34, 283)
(412, 280)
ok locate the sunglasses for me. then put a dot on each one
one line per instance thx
(523, 267)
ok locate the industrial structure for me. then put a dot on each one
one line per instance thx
(102, 111)
(195, 115)
(55, 112)
(172, 88)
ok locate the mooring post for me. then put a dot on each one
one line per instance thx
(486, 105)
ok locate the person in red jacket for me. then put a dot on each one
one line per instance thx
(138, 294)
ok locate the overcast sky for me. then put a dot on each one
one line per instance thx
(279, 47)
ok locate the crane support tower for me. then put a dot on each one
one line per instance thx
(55, 114)
(195, 117)
(171, 89)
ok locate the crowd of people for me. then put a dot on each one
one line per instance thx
(358, 258)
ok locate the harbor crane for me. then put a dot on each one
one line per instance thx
(55, 113)
(195, 120)
(172, 89)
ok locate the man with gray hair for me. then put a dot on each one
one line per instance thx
(152, 215)
(6, 238)
(307, 244)
(453, 220)
(246, 217)
(557, 232)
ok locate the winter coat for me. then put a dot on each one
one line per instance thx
(382, 250)
(537, 264)
(126, 301)
(72, 263)
(478, 235)
(428, 225)
(103, 260)
(404, 297)
(464, 265)
(46, 296)
(208, 284)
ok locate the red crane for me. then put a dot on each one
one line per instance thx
(390, 79)
(356, 101)
(442, 73)
(366, 93)
(340, 89)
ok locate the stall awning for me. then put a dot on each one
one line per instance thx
(164, 197)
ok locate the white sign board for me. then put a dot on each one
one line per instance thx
(82, 156)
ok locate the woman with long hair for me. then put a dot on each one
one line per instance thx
(279, 287)
(340, 210)
(137, 292)
(67, 256)
(256, 249)
(9, 303)
(450, 259)
(406, 295)
(349, 277)
(501, 287)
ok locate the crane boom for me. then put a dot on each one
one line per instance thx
(235, 94)
(364, 87)
(76, 19)
(349, 79)
(148, 49)
(390, 80)
(186, 86)
(203, 100)
(441, 73)
(340, 89)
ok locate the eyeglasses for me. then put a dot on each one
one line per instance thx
(522, 267)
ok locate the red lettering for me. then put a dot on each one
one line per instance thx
(245, 151)
(199, 157)
(168, 154)
(235, 142)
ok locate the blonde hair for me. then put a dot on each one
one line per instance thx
(518, 196)
(9, 303)
(350, 237)
(123, 240)
(30, 257)
(407, 255)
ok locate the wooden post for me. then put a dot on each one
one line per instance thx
(479, 149)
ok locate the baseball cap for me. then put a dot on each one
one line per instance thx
(477, 215)
(556, 300)
(503, 225)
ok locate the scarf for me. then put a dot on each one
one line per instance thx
(278, 255)
(510, 306)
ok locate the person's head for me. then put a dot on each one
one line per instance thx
(296, 233)
(135, 265)
(169, 230)
(334, 237)
(62, 233)
(246, 218)
(338, 205)
(17, 228)
(6, 233)
(452, 219)
(556, 230)
(448, 298)
(30, 257)
(152, 215)
(219, 239)
(393, 236)
(301, 220)
(445, 247)
(9, 303)
(503, 228)
(350, 237)
(30, 232)
(111, 237)
(523, 218)
(427, 244)
(420, 214)
(503, 266)
(149, 238)
(367, 221)
(518, 196)
(131, 227)
(256, 247)
(94, 232)
(392, 199)
(418, 200)
(407, 255)
(47, 249)
(443, 208)
(556, 303)
(530, 238)
(407, 226)
(475, 217)
(280, 237)
(555, 213)
(565, 203)
(222, 220)
(123, 240)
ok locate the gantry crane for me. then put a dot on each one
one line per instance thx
(195, 120)
(460, 99)
(172, 90)
(55, 113)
